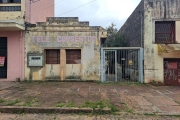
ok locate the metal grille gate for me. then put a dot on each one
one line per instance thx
(122, 64)
(3, 52)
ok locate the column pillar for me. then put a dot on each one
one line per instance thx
(62, 64)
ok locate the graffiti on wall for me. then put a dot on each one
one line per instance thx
(170, 71)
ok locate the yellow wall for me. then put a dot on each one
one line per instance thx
(51, 71)
(17, 15)
(73, 70)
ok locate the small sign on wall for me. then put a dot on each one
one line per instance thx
(2, 61)
(35, 60)
(130, 62)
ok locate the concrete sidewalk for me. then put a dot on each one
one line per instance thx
(132, 98)
(4, 85)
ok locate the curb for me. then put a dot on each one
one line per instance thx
(11, 109)
(157, 113)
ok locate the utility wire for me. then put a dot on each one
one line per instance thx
(49, 6)
(41, 9)
(77, 7)
(67, 11)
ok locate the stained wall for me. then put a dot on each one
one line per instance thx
(64, 34)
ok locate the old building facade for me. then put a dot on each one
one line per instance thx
(63, 49)
(155, 26)
(14, 14)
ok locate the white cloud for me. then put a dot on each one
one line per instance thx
(118, 9)
(98, 13)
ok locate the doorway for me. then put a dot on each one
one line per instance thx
(122, 64)
(3, 57)
(171, 72)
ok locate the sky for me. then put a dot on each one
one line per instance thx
(97, 12)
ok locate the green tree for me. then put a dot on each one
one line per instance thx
(114, 38)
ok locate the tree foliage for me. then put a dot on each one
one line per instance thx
(114, 38)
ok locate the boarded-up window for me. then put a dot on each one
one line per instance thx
(52, 56)
(165, 32)
(73, 56)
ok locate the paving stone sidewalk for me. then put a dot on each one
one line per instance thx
(136, 98)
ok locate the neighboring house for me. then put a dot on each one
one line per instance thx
(14, 14)
(62, 48)
(155, 26)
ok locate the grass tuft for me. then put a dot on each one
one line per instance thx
(11, 103)
(2, 100)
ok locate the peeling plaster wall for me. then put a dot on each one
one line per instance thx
(51, 71)
(158, 10)
(89, 69)
(73, 71)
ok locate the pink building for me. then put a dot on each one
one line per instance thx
(38, 10)
(13, 16)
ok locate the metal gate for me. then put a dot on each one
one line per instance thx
(3, 53)
(122, 64)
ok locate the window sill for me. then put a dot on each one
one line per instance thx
(10, 4)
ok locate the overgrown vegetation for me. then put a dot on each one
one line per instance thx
(114, 38)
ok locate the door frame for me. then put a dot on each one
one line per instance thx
(169, 59)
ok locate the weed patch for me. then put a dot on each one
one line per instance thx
(11, 103)
(100, 105)
(96, 106)
(98, 82)
(59, 104)
(127, 109)
(2, 100)
(70, 105)
(28, 103)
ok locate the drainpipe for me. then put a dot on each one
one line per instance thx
(142, 46)
(141, 13)
(30, 12)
